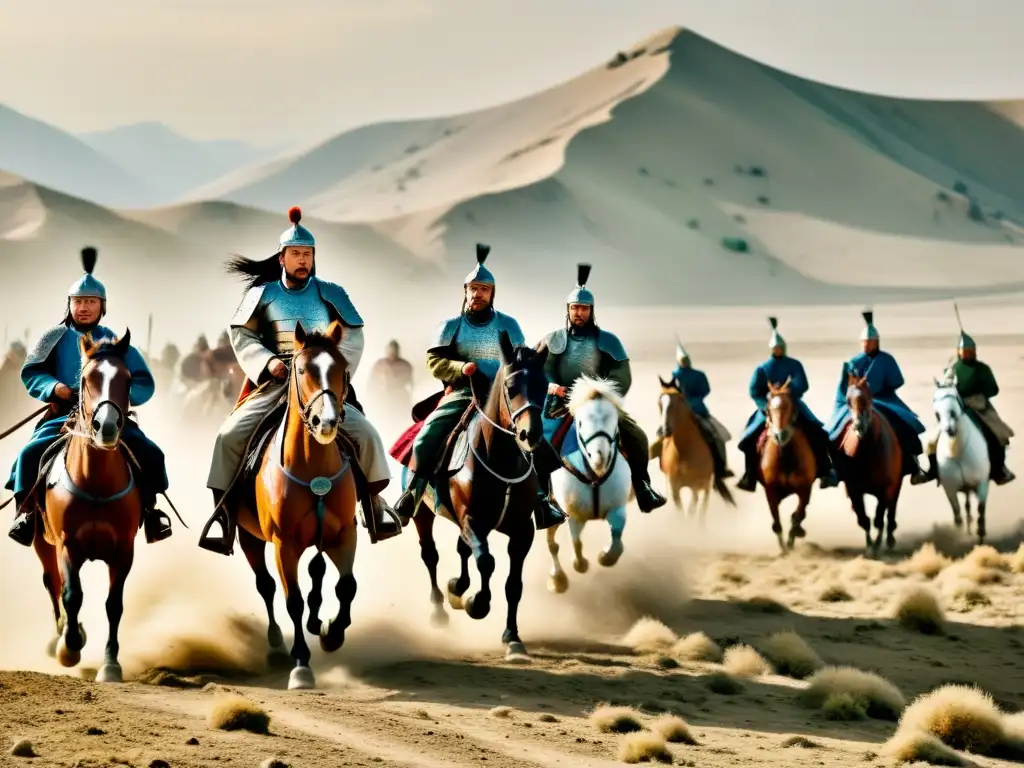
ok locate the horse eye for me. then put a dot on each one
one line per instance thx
(301, 371)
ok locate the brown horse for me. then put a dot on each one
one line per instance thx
(93, 508)
(305, 496)
(685, 457)
(871, 462)
(494, 491)
(787, 462)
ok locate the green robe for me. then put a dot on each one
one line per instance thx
(975, 378)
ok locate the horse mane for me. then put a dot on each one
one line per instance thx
(319, 340)
(107, 348)
(586, 389)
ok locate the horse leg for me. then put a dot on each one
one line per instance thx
(967, 510)
(677, 499)
(796, 528)
(457, 587)
(424, 520)
(47, 554)
(879, 526)
(479, 605)
(617, 524)
(705, 500)
(287, 557)
(519, 543)
(954, 503)
(71, 642)
(558, 582)
(859, 509)
(110, 672)
(315, 599)
(579, 563)
(982, 495)
(255, 550)
(344, 557)
(773, 507)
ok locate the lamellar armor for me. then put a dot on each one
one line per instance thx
(478, 342)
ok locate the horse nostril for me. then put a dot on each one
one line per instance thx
(95, 425)
(316, 421)
(523, 435)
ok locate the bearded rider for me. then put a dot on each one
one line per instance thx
(977, 386)
(581, 348)
(465, 355)
(283, 290)
(52, 374)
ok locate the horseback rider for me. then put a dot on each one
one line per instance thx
(391, 378)
(465, 355)
(195, 366)
(283, 290)
(884, 378)
(581, 348)
(976, 385)
(52, 374)
(693, 384)
(776, 370)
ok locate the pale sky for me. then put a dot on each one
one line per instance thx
(271, 71)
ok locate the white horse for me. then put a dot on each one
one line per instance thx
(595, 482)
(961, 455)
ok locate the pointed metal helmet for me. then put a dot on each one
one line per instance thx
(480, 273)
(682, 355)
(296, 235)
(581, 294)
(966, 342)
(869, 332)
(87, 285)
(776, 340)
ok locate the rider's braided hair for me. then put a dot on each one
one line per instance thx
(259, 271)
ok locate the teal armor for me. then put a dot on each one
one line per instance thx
(587, 350)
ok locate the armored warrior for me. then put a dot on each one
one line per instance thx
(52, 374)
(282, 291)
(977, 386)
(465, 355)
(693, 384)
(581, 348)
(391, 378)
(775, 370)
(884, 379)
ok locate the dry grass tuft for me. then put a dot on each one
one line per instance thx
(644, 747)
(674, 730)
(835, 593)
(762, 604)
(744, 661)
(985, 556)
(917, 746)
(964, 718)
(1016, 560)
(862, 569)
(918, 610)
(502, 713)
(881, 699)
(608, 719)
(547, 717)
(927, 561)
(791, 655)
(844, 706)
(22, 748)
(974, 572)
(697, 647)
(649, 634)
(966, 596)
(730, 572)
(234, 713)
(799, 741)
(723, 684)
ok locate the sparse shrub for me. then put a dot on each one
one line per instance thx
(926, 561)
(966, 596)
(616, 720)
(960, 187)
(762, 604)
(644, 747)
(942, 196)
(502, 713)
(974, 212)
(916, 746)
(649, 634)
(723, 684)
(727, 570)
(735, 244)
(693, 224)
(763, 200)
(835, 593)
(918, 610)
(791, 655)
(744, 661)
(757, 171)
(964, 718)
(844, 706)
(697, 647)
(882, 700)
(234, 713)
(1017, 560)
(985, 556)
(674, 730)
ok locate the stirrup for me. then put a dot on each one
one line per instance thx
(23, 530)
(747, 483)
(223, 544)
(655, 499)
(382, 514)
(157, 525)
(547, 513)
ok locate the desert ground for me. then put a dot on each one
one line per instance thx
(403, 693)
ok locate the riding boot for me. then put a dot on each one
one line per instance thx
(546, 512)
(23, 530)
(386, 521)
(647, 498)
(913, 469)
(409, 501)
(999, 474)
(924, 477)
(723, 457)
(156, 523)
(823, 456)
(222, 515)
(750, 471)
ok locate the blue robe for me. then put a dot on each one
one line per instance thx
(884, 378)
(63, 365)
(775, 370)
(694, 385)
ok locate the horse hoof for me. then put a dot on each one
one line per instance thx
(66, 656)
(439, 618)
(275, 638)
(456, 602)
(453, 588)
(558, 582)
(478, 607)
(314, 626)
(517, 654)
(279, 659)
(581, 566)
(608, 559)
(329, 643)
(798, 532)
(110, 673)
(301, 679)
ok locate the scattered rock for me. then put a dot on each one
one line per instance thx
(193, 742)
(23, 748)
(274, 762)
(158, 763)
(92, 730)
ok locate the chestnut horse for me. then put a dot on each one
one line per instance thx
(685, 457)
(871, 462)
(305, 496)
(493, 491)
(93, 508)
(787, 462)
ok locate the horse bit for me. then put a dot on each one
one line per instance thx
(513, 415)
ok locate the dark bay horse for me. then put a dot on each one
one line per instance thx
(93, 508)
(787, 465)
(305, 496)
(871, 463)
(494, 491)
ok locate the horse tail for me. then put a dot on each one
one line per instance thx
(723, 490)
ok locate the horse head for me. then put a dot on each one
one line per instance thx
(595, 405)
(104, 389)
(523, 385)
(948, 406)
(858, 399)
(781, 413)
(673, 406)
(319, 380)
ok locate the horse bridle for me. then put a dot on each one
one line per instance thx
(305, 408)
(513, 417)
(88, 417)
(784, 434)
